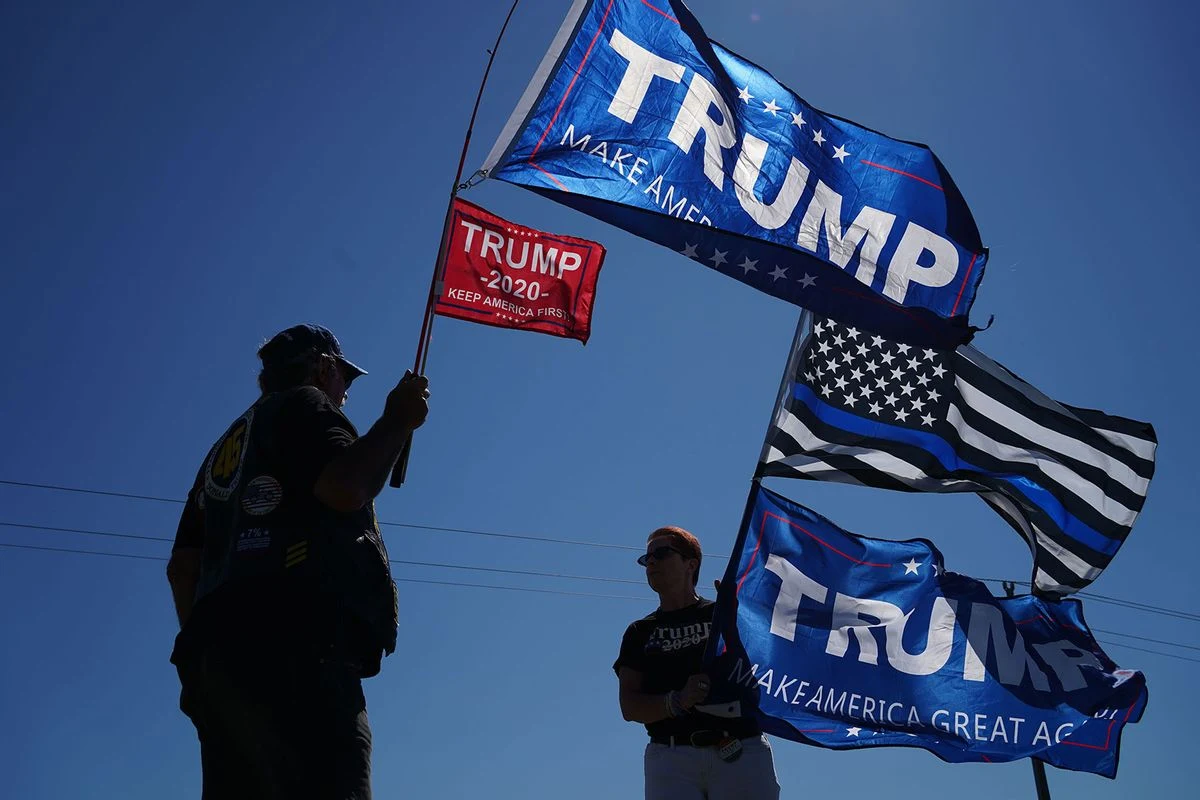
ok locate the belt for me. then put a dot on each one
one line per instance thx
(699, 739)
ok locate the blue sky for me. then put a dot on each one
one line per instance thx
(181, 181)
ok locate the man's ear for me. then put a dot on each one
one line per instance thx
(318, 371)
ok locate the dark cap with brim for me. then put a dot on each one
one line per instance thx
(297, 342)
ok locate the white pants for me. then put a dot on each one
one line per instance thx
(698, 773)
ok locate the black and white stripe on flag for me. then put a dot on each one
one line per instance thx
(859, 408)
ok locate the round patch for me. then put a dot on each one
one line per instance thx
(262, 495)
(224, 467)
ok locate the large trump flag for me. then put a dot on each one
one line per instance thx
(843, 641)
(637, 118)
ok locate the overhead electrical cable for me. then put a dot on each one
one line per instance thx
(1117, 601)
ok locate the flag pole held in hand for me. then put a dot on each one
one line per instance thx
(401, 468)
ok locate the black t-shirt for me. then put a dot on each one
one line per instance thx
(667, 647)
(253, 512)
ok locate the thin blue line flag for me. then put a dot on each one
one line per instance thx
(635, 117)
(842, 641)
(860, 408)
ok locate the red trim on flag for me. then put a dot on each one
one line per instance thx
(548, 175)
(1107, 734)
(902, 172)
(826, 544)
(753, 555)
(657, 10)
(571, 85)
(962, 288)
(810, 535)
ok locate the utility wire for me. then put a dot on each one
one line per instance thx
(550, 591)
(524, 572)
(85, 532)
(522, 537)
(88, 532)
(76, 551)
(77, 490)
(1117, 601)
(81, 552)
(1145, 639)
(1147, 650)
(468, 567)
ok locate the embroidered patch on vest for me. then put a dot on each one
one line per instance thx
(262, 495)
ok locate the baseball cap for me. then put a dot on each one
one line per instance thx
(291, 345)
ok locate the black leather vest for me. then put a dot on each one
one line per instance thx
(260, 528)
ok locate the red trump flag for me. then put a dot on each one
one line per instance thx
(503, 274)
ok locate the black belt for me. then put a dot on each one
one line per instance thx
(700, 738)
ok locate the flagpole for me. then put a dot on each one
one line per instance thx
(1039, 767)
(439, 265)
(784, 381)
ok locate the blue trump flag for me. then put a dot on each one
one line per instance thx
(636, 118)
(841, 641)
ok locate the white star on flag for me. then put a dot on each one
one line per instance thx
(797, 119)
(771, 108)
(778, 273)
(911, 566)
(819, 137)
(718, 257)
(840, 153)
(744, 94)
(689, 250)
(853, 731)
(807, 281)
(748, 266)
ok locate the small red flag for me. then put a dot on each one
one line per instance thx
(503, 274)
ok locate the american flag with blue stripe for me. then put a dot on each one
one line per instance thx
(859, 408)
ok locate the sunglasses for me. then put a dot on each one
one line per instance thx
(658, 554)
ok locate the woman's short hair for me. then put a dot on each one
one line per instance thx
(687, 544)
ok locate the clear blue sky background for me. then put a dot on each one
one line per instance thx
(179, 181)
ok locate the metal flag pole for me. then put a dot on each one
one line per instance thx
(439, 264)
(1039, 767)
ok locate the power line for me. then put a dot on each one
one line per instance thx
(76, 551)
(88, 532)
(78, 490)
(1147, 650)
(521, 572)
(81, 552)
(1146, 639)
(524, 537)
(560, 592)
(523, 589)
(85, 532)
(531, 589)
(498, 570)
(494, 534)
(1117, 601)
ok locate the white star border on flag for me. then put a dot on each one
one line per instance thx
(876, 378)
